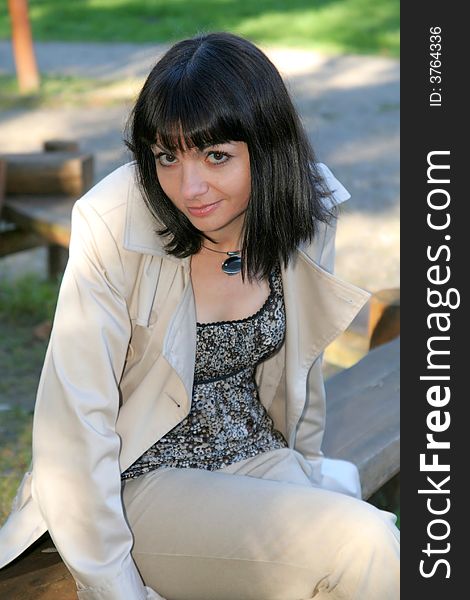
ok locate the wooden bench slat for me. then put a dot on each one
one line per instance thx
(37, 575)
(363, 416)
(41, 188)
(69, 173)
(18, 240)
(48, 216)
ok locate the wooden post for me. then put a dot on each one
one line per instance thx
(23, 50)
(384, 316)
(3, 178)
(49, 173)
(61, 146)
(57, 258)
(41, 188)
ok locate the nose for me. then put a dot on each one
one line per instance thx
(193, 181)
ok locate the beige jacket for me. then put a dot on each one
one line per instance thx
(118, 375)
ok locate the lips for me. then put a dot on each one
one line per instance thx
(203, 210)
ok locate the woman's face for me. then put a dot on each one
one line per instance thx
(211, 187)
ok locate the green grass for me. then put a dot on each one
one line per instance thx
(358, 26)
(23, 304)
(65, 90)
(27, 300)
(54, 88)
(15, 454)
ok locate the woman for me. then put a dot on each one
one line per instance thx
(177, 432)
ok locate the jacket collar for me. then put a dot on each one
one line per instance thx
(319, 307)
(141, 225)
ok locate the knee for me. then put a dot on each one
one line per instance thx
(371, 529)
(370, 551)
(367, 561)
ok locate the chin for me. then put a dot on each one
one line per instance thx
(208, 230)
(205, 226)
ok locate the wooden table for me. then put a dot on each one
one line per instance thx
(38, 221)
(40, 189)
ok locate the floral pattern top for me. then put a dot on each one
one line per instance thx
(227, 422)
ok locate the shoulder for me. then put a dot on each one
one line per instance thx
(110, 195)
(100, 214)
(100, 227)
(118, 202)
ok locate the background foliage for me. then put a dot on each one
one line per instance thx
(358, 26)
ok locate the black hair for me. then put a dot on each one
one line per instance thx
(212, 89)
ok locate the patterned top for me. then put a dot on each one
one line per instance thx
(227, 422)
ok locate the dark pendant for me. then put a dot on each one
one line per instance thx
(232, 265)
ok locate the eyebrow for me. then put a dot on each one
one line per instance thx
(208, 145)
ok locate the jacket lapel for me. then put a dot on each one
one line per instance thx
(140, 231)
(319, 306)
(179, 346)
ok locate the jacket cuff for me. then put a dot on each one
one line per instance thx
(152, 594)
(128, 585)
(335, 475)
(340, 476)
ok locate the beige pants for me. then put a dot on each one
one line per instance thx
(259, 530)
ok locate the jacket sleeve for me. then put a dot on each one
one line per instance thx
(76, 474)
(333, 474)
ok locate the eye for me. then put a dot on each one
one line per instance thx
(165, 159)
(219, 157)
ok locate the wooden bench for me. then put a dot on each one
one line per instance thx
(363, 416)
(362, 426)
(40, 189)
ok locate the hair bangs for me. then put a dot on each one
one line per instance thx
(184, 117)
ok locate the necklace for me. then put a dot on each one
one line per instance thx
(233, 264)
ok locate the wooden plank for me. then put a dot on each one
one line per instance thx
(363, 416)
(18, 240)
(38, 574)
(47, 216)
(61, 145)
(48, 173)
(384, 316)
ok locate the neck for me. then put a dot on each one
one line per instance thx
(222, 246)
(226, 240)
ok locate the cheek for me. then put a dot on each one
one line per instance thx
(167, 184)
(246, 191)
(240, 184)
(246, 178)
